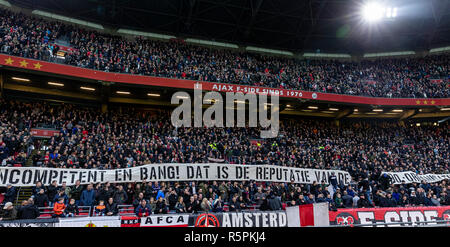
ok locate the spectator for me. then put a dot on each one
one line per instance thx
(111, 207)
(75, 192)
(180, 207)
(100, 209)
(217, 205)
(234, 205)
(11, 194)
(41, 199)
(138, 200)
(192, 206)
(72, 209)
(9, 212)
(339, 202)
(274, 203)
(259, 196)
(152, 204)
(52, 191)
(61, 194)
(161, 207)
(143, 209)
(88, 196)
(206, 205)
(120, 196)
(29, 211)
(363, 202)
(36, 189)
(58, 208)
(347, 199)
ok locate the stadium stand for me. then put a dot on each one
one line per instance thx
(31, 37)
(90, 139)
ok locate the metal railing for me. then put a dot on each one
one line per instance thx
(124, 210)
(47, 212)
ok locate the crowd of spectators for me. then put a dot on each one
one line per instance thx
(93, 140)
(30, 37)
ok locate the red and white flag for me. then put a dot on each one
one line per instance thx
(308, 215)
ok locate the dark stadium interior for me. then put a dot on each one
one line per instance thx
(328, 25)
(124, 122)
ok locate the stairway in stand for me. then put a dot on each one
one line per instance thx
(24, 193)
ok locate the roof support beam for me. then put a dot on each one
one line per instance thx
(255, 10)
(344, 113)
(407, 114)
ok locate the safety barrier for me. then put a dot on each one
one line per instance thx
(362, 217)
(47, 212)
(396, 216)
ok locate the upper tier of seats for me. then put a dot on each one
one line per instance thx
(29, 37)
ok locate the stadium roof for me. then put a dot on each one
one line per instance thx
(307, 25)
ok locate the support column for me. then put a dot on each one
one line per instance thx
(104, 108)
(104, 95)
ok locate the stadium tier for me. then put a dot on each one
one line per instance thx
(86, 138)
(31, 37)
(87, 131)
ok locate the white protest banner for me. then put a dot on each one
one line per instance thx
(412, 177)
(28, 176)
(104, 221)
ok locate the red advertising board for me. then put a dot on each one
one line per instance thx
(365, 216)
(61, 69)
(45, 133)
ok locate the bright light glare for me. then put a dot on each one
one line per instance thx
(372, 12)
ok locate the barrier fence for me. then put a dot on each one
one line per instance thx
(293, 216)
(124, 210)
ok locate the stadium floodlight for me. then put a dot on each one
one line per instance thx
(20, 79)
(153, 94)
(55, 84)
(372, 12)
(122, 92)
(87, 88)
